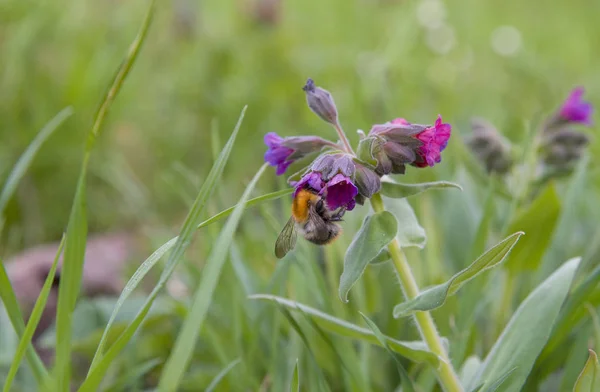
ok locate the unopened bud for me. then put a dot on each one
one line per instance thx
(320, 102)
(563, 148)
(366, 181)
(489, 147)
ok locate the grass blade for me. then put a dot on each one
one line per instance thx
(77, 226)
(34, 319)
(186, 340)
(213, 384)
(151, 261)
(295, 384)
(27, 157)
(101, 362)
(13, 310)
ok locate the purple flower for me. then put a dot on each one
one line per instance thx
(340, 191)
(310, 180)
(277, 154)
(282, 152)
(435, 140)
(576, 110)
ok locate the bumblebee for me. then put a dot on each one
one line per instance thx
(312, 219)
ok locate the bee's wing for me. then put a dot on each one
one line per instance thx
(287, 239)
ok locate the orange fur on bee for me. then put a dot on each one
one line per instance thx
(301, 203)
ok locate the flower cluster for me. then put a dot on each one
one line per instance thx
(562, 145)
(344, 178)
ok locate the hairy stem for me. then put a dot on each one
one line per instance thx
(446, 374)
(343, 138)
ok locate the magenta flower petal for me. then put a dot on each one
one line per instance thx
(575, 109)
(340, 192)
(435, 140)
(277, 154)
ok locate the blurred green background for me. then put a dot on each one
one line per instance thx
(512, 62)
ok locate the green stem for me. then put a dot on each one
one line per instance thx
(446, 374)
(343, 138)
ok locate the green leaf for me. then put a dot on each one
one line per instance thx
(77, 227)
(562, 239)
(410, 232)
(415, 351)
(376, 232)
(34, 319)
(538, 221)
(9, 299)
(435, 296)
(469, 370)
(27, 157)
(407, 385)
(186, 340)
(397, 190)
(213, 384)
(589, 378)
(101, 362)
(295, 384)
(527, 332)
(382, 257)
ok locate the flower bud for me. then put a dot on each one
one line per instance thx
(320, 102)
(563, 148)
(367, 181)
(330, 165)
(489, 147)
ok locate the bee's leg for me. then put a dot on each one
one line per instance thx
(337, 216)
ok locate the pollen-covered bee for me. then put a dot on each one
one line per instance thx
(313, 219)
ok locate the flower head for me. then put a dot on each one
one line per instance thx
(398, 143)
(331, 175)
(575, 110)
(282, 152)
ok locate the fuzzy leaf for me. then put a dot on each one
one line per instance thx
(377, 231)
(410, 232)
(407, 385)
(589, 378)
(415, 351)
(397, 190)
(527, 332)
(435, 296)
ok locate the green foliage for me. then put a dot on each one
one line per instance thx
(377, 231)
(589, 379)
(202, 62)
(34, 319)
(415, 351)
(526, 334)
(397, 190)
(407, 384)
(435, 297)
(538, 221)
